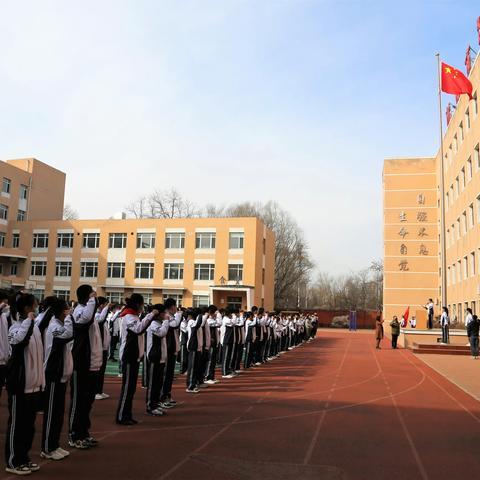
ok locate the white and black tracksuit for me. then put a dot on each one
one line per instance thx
(183, 346)
(101, 319)
(131, 352)
(87, 361)
(194, 346)
(213, 325)
(4, 345)
(227, 336)
(156, 357)
(173, 347)
(250, 334)
(58, 366)
(25, 382)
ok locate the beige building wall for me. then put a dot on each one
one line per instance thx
(411, 273)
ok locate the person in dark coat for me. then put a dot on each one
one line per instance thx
(378, 330)
(395, 326)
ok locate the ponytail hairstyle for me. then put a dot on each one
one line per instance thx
(83, 293)
(445, 309)
(48, 302)
(135, 302)
(21, 304)
(58, 307)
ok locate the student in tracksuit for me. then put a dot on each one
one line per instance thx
(204, 347)
(173, 347)
(183, 345)
(156, 355)
(4, 345)
(194, 328)
(114, 328)
(58, 366)
(87, 361)
(101, 318)
(240, 341)
(213, 326)
(250, 331)
(227, 338)
(131, 352)
(25, 382)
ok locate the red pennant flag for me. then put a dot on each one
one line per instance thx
(454, 81)
(405, 317)
(468, 60)
(449, 113)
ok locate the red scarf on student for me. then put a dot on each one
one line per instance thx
(128, 311)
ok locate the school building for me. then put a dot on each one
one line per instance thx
(197, 261)
(412, 221)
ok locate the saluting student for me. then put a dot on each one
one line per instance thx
(58, 366)
(227, 338)
(183, 345)
(156, 355)
(213, 326)
(87, 361)
(250, 324)
(101, 318)
(240, 341)
(25, 381)
(131, 352)
(194, 324)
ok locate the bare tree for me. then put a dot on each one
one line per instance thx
(69, 213)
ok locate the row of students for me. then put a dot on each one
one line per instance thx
(42, 355)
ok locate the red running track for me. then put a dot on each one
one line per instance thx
(332, 409)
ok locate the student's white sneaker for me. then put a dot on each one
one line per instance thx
(80, 444)
(22, 470)
(257, 364)
(158, 412)
(65, 453)
(55, 455)
(216, 381)
(105, 395)
(210, 382)
(98, 396)
(192, 390)
(227, 376)
(166, 405)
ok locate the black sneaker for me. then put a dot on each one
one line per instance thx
(92, 442)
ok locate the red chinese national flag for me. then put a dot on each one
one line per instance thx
(405, 317)
(454, 81)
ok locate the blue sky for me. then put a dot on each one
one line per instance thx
(297, 101)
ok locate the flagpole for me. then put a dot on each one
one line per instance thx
(442, 190)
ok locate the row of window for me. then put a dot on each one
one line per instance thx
(21, 214)
(462, 269)
(7, 186)
(172, 271)
(144, 240)
(465, 222)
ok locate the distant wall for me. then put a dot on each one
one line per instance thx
(365, 318)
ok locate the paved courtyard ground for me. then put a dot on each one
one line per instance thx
(335, 408)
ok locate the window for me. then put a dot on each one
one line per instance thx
(173, 271)
(458, 228)
(476, 156)
(145, 240)
(464, 223)
(448, 238)
(234, 304)
(474, 105)
(6, 184)
(114, 297)
(205, 240)
(40, 240)
(178, 297)
(472, 264)
(63, 269)
(459, 271)
(13, 269)
(147, 298)
(263, 276)
(62, 294)
(65, 240)
(116, 270)
(117, 240)
(446, 201)
(471, 220)
(460, 132)
(454, 273)
(236, 240)
(39, 294)
(38, 269)
(455, 144)
(201, 301)
(465, 268)
(91, 240)
(89, 269)
(23, 192)
(264, 243)
(21, 216)
(462, 179)
(16, 240)
(235, 272)
(457, 187)
(469, 169)
(175, 240)
(459, 312)
(467, 120)
(3, 211)
(2, 239)
(448, 276)
(144, 270)
(204, 271)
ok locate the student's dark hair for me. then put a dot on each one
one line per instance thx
(160, 307)
(445, 309)
(169, 303)
(83, 293)
(20, 302)
(430, 299)
(101, 300)
(469, 310)
(254, 309)
(261, 311)
(58, 306)
(135, 301)
(378, 318)
(212, 309)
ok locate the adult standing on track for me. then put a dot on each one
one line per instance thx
(379, 331)
(395, 326)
